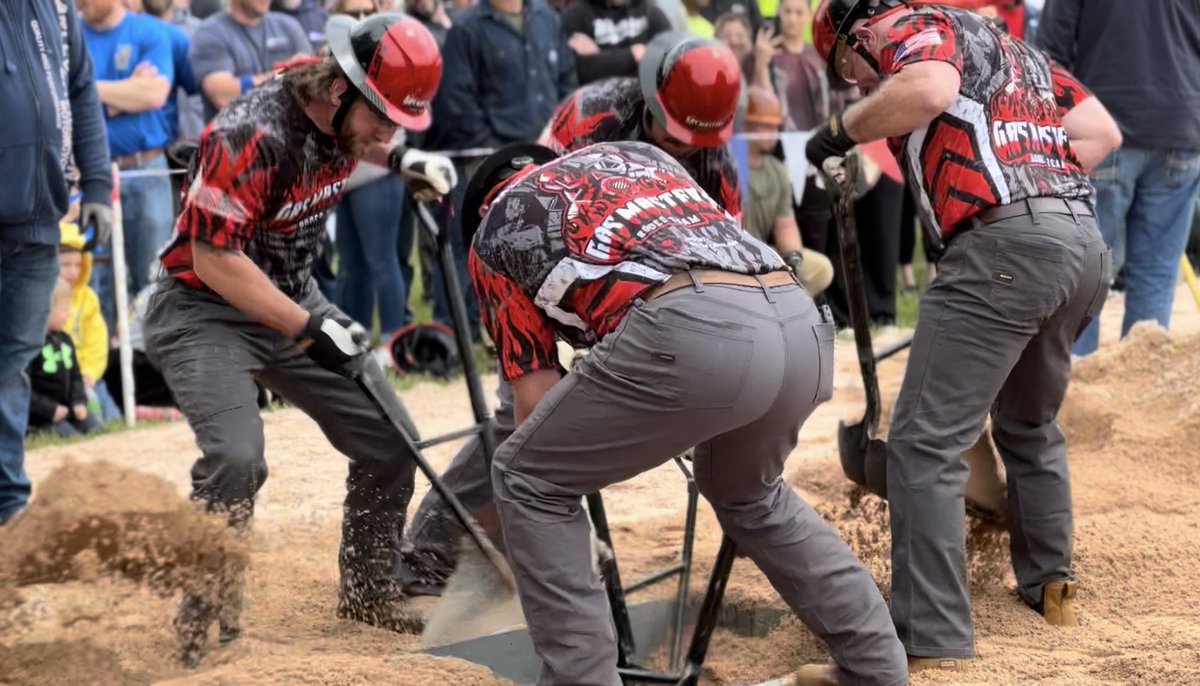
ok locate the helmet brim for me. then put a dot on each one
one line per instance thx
(489, 174)
(337, 36)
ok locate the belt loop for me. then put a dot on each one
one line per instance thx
(765, 288)
(1032, 212)
(696, 282)
(1071, 209)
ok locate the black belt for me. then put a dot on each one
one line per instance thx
(1033, 207)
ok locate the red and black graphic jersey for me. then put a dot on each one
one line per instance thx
(615, 110)
(264, 181)
(566, 248)
(1002, 140)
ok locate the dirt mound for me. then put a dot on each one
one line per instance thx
(344, 670)
(91, 519)
(74, 664)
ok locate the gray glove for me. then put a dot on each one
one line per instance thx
(95, 222)
(794, 259)
(334, 345)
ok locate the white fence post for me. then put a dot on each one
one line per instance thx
(120, 274)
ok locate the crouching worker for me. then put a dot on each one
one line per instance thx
(700, 336)
(241, 306)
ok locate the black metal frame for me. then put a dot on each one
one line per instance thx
(462, 331)
(687, 674)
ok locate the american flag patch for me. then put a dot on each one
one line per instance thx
(925, 39)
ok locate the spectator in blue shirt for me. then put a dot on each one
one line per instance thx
(1142, 60)
(310, 14)
(185, 110)
(135, 73)
(507, 66)
(237, 50)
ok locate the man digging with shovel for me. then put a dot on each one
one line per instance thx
(241, 304)
(699, 336)
(996, 143)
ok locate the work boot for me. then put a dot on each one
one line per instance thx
(196, 613)
(422, 573)
(816, 675)
(369, 593)
(941, 664)
(1058, 603)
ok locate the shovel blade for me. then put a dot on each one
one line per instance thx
(478, 601)
(864, 459)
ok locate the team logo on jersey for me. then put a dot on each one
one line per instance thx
(1023, 142)
(642, 215)
(296, 209)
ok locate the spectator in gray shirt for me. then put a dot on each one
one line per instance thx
(237, 50)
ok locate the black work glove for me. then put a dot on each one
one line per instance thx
(333, 345)
(830, 140)
(794, 259)
(95, 221)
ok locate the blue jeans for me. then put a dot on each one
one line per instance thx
(405, 242)
(441, 301)
(1144, 204)
(148, 219)
(27, 275)
(368, 226)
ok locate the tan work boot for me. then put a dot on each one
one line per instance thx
(816, 675)
(1058, 603)
(941, 664)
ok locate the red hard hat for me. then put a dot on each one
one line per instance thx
(832, 23)
(393, 60)
(692, 87)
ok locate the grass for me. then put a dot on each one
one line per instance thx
(907, 302)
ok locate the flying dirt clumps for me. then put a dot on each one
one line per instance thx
(93, 519)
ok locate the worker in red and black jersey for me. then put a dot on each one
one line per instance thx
(996, 143)
(699, 336)
(241, 304)
(684, 102)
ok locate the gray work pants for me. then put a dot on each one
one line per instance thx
(994, 335)
(210, 355)
(734, 371)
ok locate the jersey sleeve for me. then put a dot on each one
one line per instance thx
(523, 335)
(228, 195)
(1068, 91)
(924, 37)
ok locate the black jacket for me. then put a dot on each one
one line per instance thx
(1141, 58)
(614, 28)
(55, 378)
(500, 85)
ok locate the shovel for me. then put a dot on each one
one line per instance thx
(863, 454)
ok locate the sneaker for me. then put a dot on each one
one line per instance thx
(1058, 603)
(941, 664)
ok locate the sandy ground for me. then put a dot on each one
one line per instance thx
(1132, 418)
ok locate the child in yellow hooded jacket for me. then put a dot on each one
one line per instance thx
(86, 324)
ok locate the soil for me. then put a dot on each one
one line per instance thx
(91, 573)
